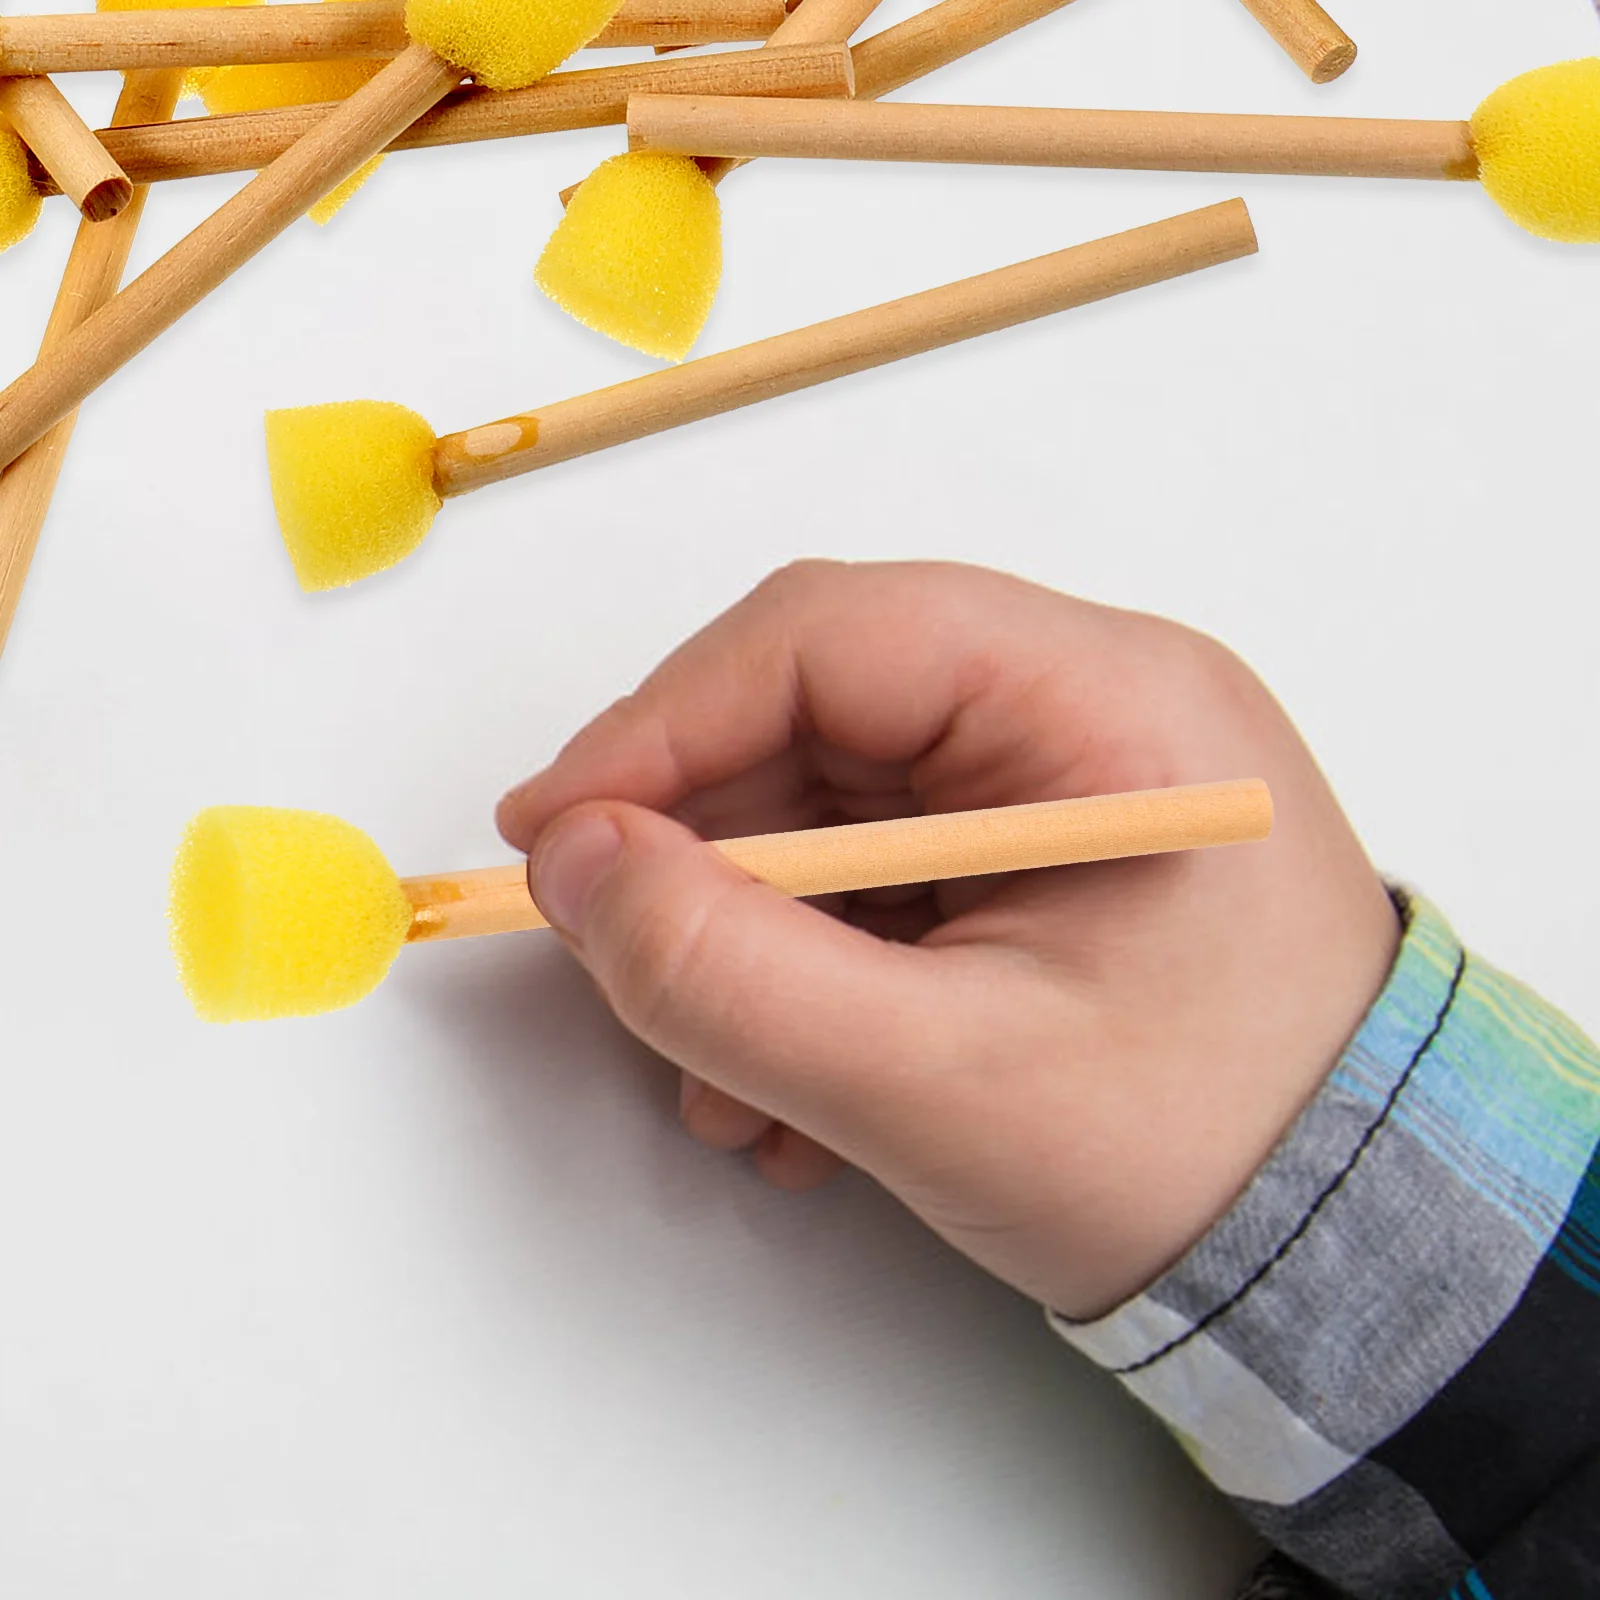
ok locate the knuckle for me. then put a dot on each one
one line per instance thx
(799, 578)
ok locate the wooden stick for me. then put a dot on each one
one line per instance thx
(791, 361)
(596, 97)
(351, 134)
(914, 48)
(95, 266)
(64, 146)
(1025, 136)
(1316, 43)
(811, 22)
(225, 36)
(928, 849)
(936, 37)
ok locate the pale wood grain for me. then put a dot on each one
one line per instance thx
(811, 22)
(859, 130)
(914, 48)
(927, 849)
(64, 146)
(593, 98)
(1308, 35)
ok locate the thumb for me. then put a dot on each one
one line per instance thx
(811, 1021)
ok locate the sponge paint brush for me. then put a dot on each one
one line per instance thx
(357, 485)
(640, 258)
(500, 43)
(603, 253)
(278, 913)
(1534, 143)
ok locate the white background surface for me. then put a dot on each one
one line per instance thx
(431, 1297)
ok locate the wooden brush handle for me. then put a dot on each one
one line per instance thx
(226, 36)
(680, 23)
(95, 266)
(936, 37)
(1025, 136)
(811, 22)
(870, 855)
(1317, 44)
(65, 147)
(351, 134)
(740, 377)
(596, 97)
(912, 49)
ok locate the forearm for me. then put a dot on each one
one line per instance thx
(1385, 1351)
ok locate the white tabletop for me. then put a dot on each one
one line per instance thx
(432, 1297)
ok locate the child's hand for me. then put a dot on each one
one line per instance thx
(1068, 1074)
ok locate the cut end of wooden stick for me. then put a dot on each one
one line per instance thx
(106, 199)
(1307, 35)
(1336, 60)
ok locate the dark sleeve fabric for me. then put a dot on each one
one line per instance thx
(1388, 1351)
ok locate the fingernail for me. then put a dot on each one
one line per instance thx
(507, 816)
(570, 867)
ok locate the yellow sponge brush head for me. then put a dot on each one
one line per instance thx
(507, 44)
(353, 487)
(281, 913)
(1538, 143)
(638, 256)
(20, 200)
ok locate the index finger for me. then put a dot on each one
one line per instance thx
(967, 676)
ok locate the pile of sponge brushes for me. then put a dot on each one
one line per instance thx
(312, 96)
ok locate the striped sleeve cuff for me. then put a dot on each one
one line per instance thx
(1307, 1350)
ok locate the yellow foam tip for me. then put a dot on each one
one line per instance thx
(281, 913)
(1538, 143)
(288, 83)
(20, 200)
(353, 487)
(507, 44)
(638, 256)
(328, 207)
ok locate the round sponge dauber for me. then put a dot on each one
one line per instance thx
(1538, 144)
(506, 44)
(353, 486)
(638, 256)
(281, 913)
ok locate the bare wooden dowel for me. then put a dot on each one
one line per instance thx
(351, 134)
(912, 49)
(870, 338)
(928, 849)
(63, 145)
(811, 22)
(592, 98)
(238, 36)
(95, 266)
(1309, 36)
(936, 37)
(1039, 137)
